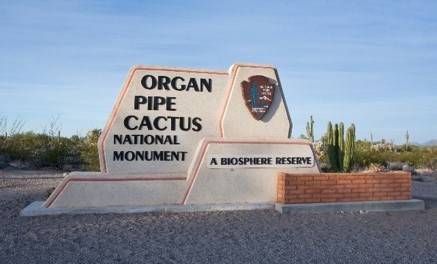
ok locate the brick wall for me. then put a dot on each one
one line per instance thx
(342, 187)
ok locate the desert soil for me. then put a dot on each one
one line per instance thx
(213, 237)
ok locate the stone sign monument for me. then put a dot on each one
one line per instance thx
(192, 137)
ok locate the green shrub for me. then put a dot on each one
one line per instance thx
(89, 153)
(42, 150)
(367, 153)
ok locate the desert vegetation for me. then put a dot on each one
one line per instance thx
(338, 150)
(47, 149)
(383, 154)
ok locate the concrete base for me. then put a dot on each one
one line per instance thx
(373, 206)
(36, 209)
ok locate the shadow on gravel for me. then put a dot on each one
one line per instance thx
(430, 204)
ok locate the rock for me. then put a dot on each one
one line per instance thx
(408, 168)
(323, 166)
(417, 178)
(17, 164)
(68, 167)
(4, 160)
(374, 168)
(395, 166)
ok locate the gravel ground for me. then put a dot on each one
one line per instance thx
(217, 237)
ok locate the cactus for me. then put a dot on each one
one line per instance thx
(336, 148)
(341, 136)
(310, 129)
(331, 147)
(329, 134)
(349, 148)
(341, 146)
(407, 140)
(340, 151)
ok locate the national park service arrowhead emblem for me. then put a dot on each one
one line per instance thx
(258, 95)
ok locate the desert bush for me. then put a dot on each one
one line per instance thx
(89, 153)
(365, 155)
(385, 155)
(42, 151)
(383, 147)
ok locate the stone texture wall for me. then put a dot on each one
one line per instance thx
(342, 187)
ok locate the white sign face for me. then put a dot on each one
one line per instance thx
(163, 113)
(258, 161)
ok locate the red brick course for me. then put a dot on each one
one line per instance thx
(342, 187)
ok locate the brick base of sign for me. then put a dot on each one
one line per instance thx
(342, 187)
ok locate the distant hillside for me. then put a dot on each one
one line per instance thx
(430, 143)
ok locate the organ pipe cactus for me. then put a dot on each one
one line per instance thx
(340, 152)
(331, 148)
(329, 134)
(349, 148)
(310, 129)
(341, 145)
(336, 153)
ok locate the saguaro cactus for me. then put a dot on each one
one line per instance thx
(407, 140)
(310, 129)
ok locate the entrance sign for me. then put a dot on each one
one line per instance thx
(188, 136)
(162, 113)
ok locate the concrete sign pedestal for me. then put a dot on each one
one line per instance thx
(191, 137)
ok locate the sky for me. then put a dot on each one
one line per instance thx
(371, 63)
